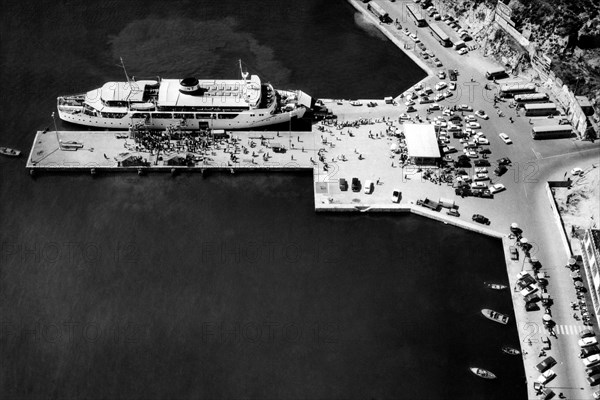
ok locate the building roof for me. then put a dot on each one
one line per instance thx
(540, 106)
(421, 140)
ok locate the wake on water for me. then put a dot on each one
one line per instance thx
(368, 26)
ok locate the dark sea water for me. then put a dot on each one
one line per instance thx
(230, 286)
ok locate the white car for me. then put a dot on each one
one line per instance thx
(419, 86)
(473, 125)
(482, 140)
(464, 107)
(447, 113)
(452, 86)
(404, 116)
(481, 177)
(470, 118)
(448, 93)
(368, 187)
(434, 107)
(449, 150)
(439, 97)
(406, 32)
(505, 138)
(410, 103)
(481, 170)
(588, 341)
(441, 85)
(356, 103)
(481, 114)
(546, 377)
(414, 37)
(441, 74)
(591, 360)
(576, 171)
(470, 153)
(462, 51)
(478, 185)
(497, 187)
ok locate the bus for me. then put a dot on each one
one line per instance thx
(495, 73)
(531, 98)
(439, 34)
(416, 15)
(551, 131)
(516, 88)
(536, 109)
(379, 12)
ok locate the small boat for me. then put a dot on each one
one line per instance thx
(495, 316)
(495, 286)
(7, 151)
(482, 373)
(510, 350)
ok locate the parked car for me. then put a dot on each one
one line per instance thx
(481, 114)
(501, 170)
(355, 185)
(589, 351)
(547, 376)
(481, 177)
(588, 341)
(439, 97)
(464, 107)
(497, 188)
(586, 333)
(369, 187)
(596, 395)
(505, 138)
(462, 51)
(514, 254)
(481, 219)
(504, 161)
(438, 63)
(594, 379)
(414, 37)
(453, 212)
(593, 370)
(482, 163)
(478, 185)
(440, 85)
(576, 171)
(343, 185)
(482, 140)
(546, 364)
(441, 74)
(470, 118)
(396, 196)
(591, 360)
(474, 125)
(452, 86)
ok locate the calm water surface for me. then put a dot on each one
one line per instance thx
(230, 286)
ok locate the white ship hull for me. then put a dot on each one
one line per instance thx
(242, 121)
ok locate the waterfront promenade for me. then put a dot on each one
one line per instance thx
(365, 152)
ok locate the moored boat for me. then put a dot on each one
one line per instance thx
(7, 151)
(495, 316)
(482, 373)
(510, 350)
(189, 103)
(495, 286)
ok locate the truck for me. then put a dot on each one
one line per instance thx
(433, 205)
(447, 203)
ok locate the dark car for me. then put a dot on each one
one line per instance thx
(456, 118)
(589, 351)
(514, 254)
(586, 333)
(355, 185)
(452, 74)
(462, 164)
(548, 363)
(343, 184)
(593, 370)
(481, 219)
(463, 191)
(531, 307)
(486, 194)
(482, 163)
(504, 161)
(594, 379)
(485, 151)
(501, 170)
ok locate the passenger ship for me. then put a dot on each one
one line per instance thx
(188, 103)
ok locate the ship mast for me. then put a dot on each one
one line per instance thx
(124, 70)
(244, 74)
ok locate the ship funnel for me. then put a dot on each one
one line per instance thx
(189, 85)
